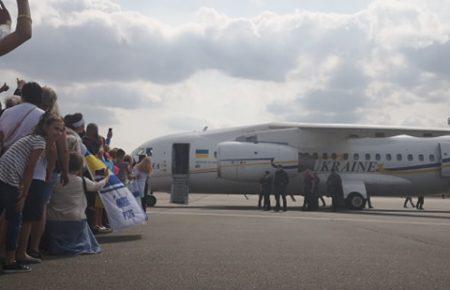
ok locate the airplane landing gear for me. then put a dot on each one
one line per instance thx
(356, 201)
(150, 200)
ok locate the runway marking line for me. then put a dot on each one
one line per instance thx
(300, 218)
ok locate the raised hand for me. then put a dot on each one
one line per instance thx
(4, 88)
(20, 83)
(5, 17)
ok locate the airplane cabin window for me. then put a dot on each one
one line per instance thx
(431, 157)
(377, 157)
(399, 157)
(410, 157)
(345, 156)
(367, 156)
(421, 158)
(333, 156)
(356, 156)
(388, 157)
(325, 156)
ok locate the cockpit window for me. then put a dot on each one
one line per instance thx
(149, 151)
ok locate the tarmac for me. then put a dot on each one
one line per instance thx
(224, 242)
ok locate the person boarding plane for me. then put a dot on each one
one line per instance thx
(375, 160)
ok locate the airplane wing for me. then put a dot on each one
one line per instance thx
(362, 131)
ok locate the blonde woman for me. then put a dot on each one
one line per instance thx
(139, 175)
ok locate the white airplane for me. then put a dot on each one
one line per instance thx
(375, 160)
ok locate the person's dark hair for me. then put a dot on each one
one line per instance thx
(141, 157)
(120, 153)
(128, 159)
(70, 119)
(92, 130)
(46, 119)
(75, 162)
(32, 93)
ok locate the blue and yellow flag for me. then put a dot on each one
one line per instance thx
(201, 153)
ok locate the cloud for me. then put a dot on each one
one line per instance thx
(385, 64)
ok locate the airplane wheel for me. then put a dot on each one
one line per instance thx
(151, 200)
(355, 200)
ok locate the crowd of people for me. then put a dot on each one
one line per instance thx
(49, 199)
(276, 184)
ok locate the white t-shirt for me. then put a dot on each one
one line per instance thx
(68, 203)
(8, 122)
(138, 183)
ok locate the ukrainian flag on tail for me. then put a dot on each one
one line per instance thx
(122, 208)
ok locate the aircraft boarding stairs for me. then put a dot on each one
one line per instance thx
(180, 189)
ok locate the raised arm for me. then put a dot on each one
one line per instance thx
(4, 88)
(92, 186)
(23, 30)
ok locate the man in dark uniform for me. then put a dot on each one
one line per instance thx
(266, 190)
(307, 189)
(281, 181)
(334, 189)
(420, 201)
(315, 191)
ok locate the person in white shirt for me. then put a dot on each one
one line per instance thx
(139, 175)
(20, 120)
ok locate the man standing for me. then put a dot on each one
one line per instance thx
(334, 188)
(266, 190)
(280, 183)
(307, 189)
(420, 201)
(408, 199)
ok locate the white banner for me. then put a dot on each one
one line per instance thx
(121, 207)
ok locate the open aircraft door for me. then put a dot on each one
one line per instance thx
(444, 149)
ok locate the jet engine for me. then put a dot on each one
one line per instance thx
(247, 162)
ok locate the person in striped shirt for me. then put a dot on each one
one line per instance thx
(16, 173)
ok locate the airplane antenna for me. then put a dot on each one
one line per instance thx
(206, 127)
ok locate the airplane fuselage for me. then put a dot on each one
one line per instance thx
(233, 161)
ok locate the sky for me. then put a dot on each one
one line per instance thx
(148, 68)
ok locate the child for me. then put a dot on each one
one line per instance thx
(16, 172)
(67, 228)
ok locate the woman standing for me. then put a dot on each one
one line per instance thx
(139, 175)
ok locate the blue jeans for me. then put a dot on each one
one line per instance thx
(8, 199)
